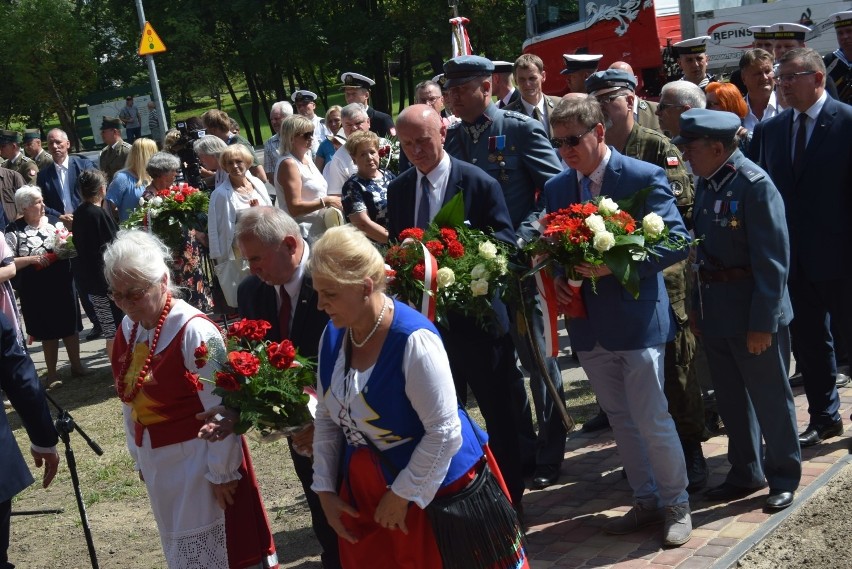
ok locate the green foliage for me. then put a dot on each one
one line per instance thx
(171, 212)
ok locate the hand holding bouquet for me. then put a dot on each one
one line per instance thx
(59, 246)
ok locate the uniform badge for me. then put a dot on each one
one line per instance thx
(672, 161)
(734, 221)
(677, 188)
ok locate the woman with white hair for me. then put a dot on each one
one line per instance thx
(192, 483)
(45, 284)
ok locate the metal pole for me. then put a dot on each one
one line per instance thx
(152, 72)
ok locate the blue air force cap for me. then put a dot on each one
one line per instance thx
(704, 123)
(603, 82)
(462, 69)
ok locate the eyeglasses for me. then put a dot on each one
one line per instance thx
(428, 100)
(607, 100)
(791, 76)
(354, 124)
(307, 135)
(132, 295)
(570, 141)
(663, 106)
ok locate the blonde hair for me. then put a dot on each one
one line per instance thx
(137, 160)
(290, 128)
(358, 138)
(345, 255)
(233, 151)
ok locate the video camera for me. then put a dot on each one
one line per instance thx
(190, 165)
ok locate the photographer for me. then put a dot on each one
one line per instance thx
(191, 171)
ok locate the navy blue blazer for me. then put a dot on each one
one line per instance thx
(48, 181)
(616, 320)
(257, 300)
(19, 381)
(818, 202)
(484, 205)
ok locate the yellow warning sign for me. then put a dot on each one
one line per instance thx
(151, 42)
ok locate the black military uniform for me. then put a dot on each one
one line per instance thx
(380, 123)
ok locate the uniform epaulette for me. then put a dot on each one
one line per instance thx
(516, 115)
(456, 124)
(752, 174)
(643, 105)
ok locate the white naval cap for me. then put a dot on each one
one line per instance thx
(580, 62)
(691, 46)
(356, 80)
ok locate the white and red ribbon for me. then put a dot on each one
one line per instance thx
(430, 282)
(461, 42)
(547, 298)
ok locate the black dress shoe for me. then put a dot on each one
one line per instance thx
(797, 380)
(545, 475)
(726, 492)
(778, 500)
(841, 380)
(816, 434)
(596, 423)
(94, 334)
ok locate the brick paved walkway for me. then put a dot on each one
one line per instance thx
(565, 520)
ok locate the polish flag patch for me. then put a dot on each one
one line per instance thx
(672, 161)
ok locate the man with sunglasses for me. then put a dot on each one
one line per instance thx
(676, 98)
(513, 149)
(622, 342)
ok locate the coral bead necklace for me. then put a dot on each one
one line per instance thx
(121, 385)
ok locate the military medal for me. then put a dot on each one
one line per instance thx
(500, 145)
(734, 221)
(716, 208)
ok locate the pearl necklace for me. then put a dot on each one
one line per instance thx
(120, 380)
(373, 331)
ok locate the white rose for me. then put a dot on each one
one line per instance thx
(603, 241)
(652, 225)
(480, 271)
(502, 264)
(608, 206)
(595, 223)
(59, 226)
(487, 250)
(141, 201)
(157, 201)
(479, 287)
(446, 277)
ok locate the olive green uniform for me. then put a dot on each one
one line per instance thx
(113, 157)
(43, 159)
(24, 166)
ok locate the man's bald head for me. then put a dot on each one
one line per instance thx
(419, 114)
(421, 134)
(622, 66)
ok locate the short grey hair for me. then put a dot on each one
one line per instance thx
(209, 145)
(284, 106)
(353, 111)
(269, 224)
(26, 196)
(138, 255)
(685, 93)
(162, 163)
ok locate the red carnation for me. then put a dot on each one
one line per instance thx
(193, 379)
(255, 330)
(164, 193)
(449, 235)
(419, 271)
(455, 249)
(227, 381)
(201, 355)
(179, 198)
(244, 363)
(282, 354)
(435, 247)
(414, 232)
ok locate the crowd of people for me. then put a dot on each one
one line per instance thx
(297, 239)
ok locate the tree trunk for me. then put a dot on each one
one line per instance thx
(237, 104)
(255, 108)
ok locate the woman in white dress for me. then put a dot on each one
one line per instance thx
(299, 186)
(238, 191)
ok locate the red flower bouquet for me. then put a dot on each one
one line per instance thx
(168, 213)
(601, 232)
(267, 381)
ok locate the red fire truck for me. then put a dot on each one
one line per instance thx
(639, 31)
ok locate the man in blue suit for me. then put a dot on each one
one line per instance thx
(806, 151)
(58, 182)
(621, 344)
(19, 382)
(482, 360)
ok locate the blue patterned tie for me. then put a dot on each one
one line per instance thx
(585, 189)
(423, 209)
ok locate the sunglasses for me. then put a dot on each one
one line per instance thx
(132, 295)
(605, 100)
(570, 141)
(663, 106)
(307, 135)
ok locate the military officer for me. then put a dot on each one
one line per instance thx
(742, 307)
(692, 59)
(503, 83)
(615, 91)
(838, 64)
(578, 66)
(306, 105)
(356, 89)
(10, 182)
(114, 154)
(529, 76)
(14, 158)
(645, 112)
(33, 149)
(513, 149)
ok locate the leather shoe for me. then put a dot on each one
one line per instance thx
(597, 423)
(778, 500)
(94, 334)
(841, 380)
(797, 380)
(725, 492)
(545, 475)
(816, 434)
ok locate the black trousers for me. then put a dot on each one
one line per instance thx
(5, 518)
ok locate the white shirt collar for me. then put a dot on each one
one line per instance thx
(294, 285)
(528, 108)
(64, 164)
(597, 174)
(814, 110)
(438, 174)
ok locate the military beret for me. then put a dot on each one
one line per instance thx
(32, 134)
(8, 136)
(303, 96)
(603, 82)
(356, 80)
(462, 69)
(580, 62)
(691, 46)
(704, 123)
(503, 66)
(788, 31)
(109, 123)
(841, 19)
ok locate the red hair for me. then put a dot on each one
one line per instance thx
(730, 98)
